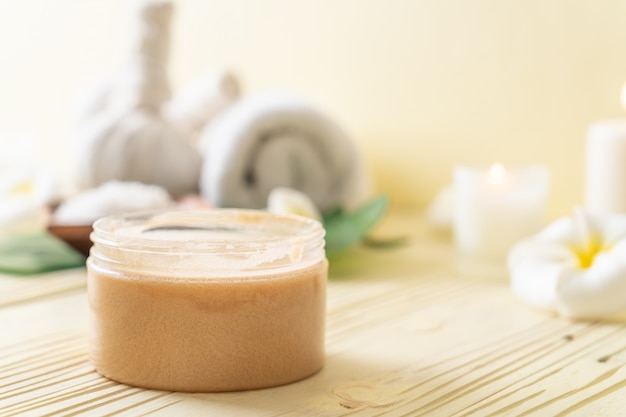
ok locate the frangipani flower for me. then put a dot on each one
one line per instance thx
(575, 267)
(283, 200)
(343, 228)
(26, 186)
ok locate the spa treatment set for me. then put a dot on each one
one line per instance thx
(208, 216)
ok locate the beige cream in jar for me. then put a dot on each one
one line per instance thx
(207, 301)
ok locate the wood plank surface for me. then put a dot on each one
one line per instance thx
(406, 336)
(15, 289)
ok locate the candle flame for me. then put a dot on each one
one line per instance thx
(623, 96)
(497, 175)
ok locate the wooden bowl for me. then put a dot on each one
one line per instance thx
(77, 236)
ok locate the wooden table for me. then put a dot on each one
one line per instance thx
(406, 336)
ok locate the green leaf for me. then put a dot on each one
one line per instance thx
(345, 229)
(36, 253)
(332, 214)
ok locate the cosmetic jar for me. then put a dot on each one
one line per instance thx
(207, 300)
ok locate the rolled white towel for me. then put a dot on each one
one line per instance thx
(274, 140)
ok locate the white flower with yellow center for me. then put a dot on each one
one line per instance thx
(283, 200)
(26, 186)
(576, 267)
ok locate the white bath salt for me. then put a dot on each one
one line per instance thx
(113, 197)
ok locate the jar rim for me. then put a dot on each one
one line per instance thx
(217, 242)
(197, 231)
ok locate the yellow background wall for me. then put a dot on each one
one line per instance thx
(421, 85)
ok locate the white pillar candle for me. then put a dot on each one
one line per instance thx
(605, 173)
(495, 208)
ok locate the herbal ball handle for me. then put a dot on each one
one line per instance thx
(144, 83)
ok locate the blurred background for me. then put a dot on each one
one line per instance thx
(421, 85)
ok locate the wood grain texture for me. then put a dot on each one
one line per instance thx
(15, 289)
(406, 336)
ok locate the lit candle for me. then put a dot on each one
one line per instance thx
(497, 207)
(605, 177)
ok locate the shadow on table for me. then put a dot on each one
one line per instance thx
(344, 383)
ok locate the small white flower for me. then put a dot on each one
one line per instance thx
(26, 185)
(440, 212)
(283, 200)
